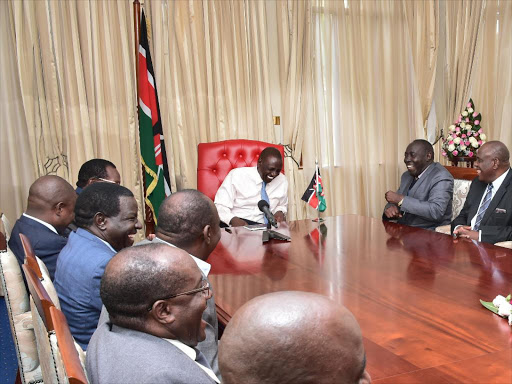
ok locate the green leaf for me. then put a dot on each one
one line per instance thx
(509, 297)
(490, 306)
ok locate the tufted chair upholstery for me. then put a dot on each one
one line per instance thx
(215, 160)
(462, 181)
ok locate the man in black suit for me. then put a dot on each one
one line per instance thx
(50, 209)
(487, 212)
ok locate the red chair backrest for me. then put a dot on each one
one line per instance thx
(215, 160)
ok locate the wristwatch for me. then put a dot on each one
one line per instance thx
(400, 202)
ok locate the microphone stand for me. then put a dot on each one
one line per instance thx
(269, 234)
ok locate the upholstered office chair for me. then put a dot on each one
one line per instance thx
(215, 160)
(70, 365)
(462, 181)
(20, 317)
(39, 267)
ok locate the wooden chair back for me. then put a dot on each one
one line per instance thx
(30, 256)
(462, 173)
(42, 300)
(68, 353)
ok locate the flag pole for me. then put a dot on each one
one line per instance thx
(148, 215)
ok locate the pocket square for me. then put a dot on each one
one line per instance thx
(501, 210)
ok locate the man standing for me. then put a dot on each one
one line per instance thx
(189, 220)
(106, 216)
(96, 170)
(292, 337)
(50, 209)
(155, 296)
(424, 198)
(487, 212)
(238, 196)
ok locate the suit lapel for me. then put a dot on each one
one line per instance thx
(421, 180)
(497, 198)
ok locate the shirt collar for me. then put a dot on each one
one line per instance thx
(201, 264)
(425, 170)
(49, 226)
(496, 184)
(189, 351)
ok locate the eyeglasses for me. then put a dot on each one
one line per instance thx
(106, 180)
(205, 289)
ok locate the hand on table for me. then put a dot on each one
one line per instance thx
(467, 232)
(280, 216)
(392, 212)
(393, 197)
(237, 222)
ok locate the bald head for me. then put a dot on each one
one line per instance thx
(189, 220)
(492, 161)
(52, 199)
(499, 151)
(292, 337)
(136, 277)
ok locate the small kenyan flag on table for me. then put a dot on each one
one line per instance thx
(314, 194)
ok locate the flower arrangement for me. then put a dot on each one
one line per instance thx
(465, 136)
(500, 306)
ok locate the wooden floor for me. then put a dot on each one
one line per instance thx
(414, 292)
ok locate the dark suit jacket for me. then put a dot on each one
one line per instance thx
(496, 224)
(46, 243)
(429, 202)
(120, 355)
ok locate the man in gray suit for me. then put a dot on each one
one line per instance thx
(189, 220)
(424, 198)
(155, 296)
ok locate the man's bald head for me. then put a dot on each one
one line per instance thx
(292, 337)
(52, 199)
(492, 161)
(136, 277)
(189, 220)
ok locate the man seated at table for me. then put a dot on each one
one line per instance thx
(238, 196)
(487, 212)
(424, 198)
(106, 215)
(95, 170)
(292, 337)
(155, 295)
(50, 209)
(189, 220)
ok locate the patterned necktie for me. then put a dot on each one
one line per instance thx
(264, 196)
(483, 207)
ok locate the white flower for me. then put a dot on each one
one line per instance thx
(472, 140)
(474, 144)
(463, 147)
(451, 147)
(465, 113)
(451, 128)
(468, 126)
(456, 140)
(483, 142)
(470, 110)
(462, 125)
(510, 320)
(483, 137)
(498, 300)
(505, 309)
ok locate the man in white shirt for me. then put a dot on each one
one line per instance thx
(487, 212)
(155, 295)
(50, 209)
(189, 220)
(238, 196)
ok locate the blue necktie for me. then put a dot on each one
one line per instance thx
(264, 196)
(483, 207)
(201, 359)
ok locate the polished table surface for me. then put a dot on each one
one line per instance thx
(414, 292)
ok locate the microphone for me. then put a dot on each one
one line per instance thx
(264, 207)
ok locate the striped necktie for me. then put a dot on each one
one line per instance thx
(264, 196)
(483, 207)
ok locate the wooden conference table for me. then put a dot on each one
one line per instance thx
(414, 292)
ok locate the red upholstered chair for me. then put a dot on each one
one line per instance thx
(215, 160)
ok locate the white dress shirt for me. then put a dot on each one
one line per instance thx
(201, 264)
(239, 194)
